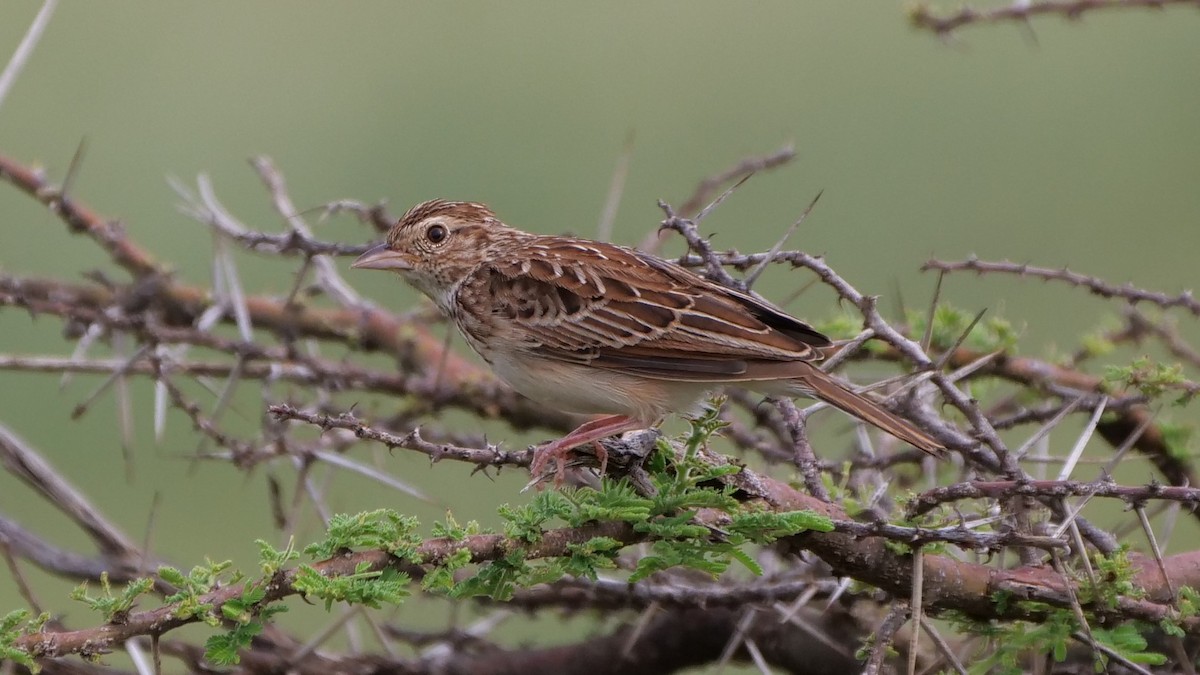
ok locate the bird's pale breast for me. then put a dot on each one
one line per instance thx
(593, 391)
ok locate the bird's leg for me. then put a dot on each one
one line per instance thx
(589, 432)
(602, 455)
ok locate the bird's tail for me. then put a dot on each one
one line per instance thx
(819, 384)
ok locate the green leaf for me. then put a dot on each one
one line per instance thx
(450, 529)
(12, 626)
(496, 579)
(746, 561)
(223, 649)
(172, 576)
(364, 587)
(764, 527)
(595, 554)
(112, 606)
(382, 529)
(440, 578)
(271, 560)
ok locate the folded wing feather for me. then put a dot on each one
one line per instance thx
(613, 307)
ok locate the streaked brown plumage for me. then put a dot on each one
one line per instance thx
(589, 327)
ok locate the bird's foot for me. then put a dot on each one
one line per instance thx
(589, 433)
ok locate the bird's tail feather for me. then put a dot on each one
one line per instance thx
(819, 384)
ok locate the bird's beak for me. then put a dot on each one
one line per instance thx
(381, 258)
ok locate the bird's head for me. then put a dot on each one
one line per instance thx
(436, 244)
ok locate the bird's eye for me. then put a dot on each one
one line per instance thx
(436, 234)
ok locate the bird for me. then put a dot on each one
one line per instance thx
(596, 328)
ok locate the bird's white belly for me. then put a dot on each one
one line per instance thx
(586, 390)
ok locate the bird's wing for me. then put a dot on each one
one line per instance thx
(616, 308)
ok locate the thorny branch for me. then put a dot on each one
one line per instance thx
(1133, 495)
(999, 504)
(944, 24)
(1096, 285)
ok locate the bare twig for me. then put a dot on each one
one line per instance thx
(1132, 495)
(22, 461)
(616, 188)
(1022, 12)
(25, 49)
(707, 187)
(1097, 286)
(881, 639)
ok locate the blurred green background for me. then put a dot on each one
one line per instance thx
(1078, 145)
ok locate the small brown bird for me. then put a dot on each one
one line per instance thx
(588, 327)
